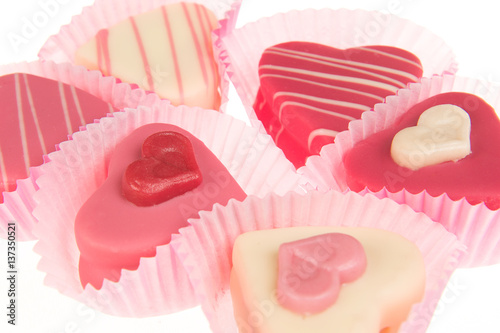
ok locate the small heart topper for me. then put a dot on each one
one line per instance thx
(167, 169)
(442, 134)
(312, 270)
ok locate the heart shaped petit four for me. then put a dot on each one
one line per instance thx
(387, 281)
(167, 50)
(471, 175)
(309, 92)
(37, 114)
(113, 233)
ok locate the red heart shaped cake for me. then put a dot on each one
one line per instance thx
(476, 177)
(113, 233)
(309, 92)
(37, 114)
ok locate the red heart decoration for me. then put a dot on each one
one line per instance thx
(113, 233)
(312, 270)
(309, 92)
(475, 177)
(167, 169)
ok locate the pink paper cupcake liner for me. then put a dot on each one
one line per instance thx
(18, 205)
(205, 246)
(240, 49)
(160, 285)
(106, 13)
(475, 225)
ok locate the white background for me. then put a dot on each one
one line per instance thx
(470, 304)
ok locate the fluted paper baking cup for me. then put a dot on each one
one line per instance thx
(103, 14)
(475, 225)
(160, 285)
(240, 49)
(18, 205)
(205, 246)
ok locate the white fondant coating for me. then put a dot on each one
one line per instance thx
(382, 297)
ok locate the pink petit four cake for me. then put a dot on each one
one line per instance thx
(158, 177)
(37, 114)
(309, 92)
(167, 50)
(325, 279)
(444, 144)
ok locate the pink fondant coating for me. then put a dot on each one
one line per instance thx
(475, 177)
(113, 234)
(309, 92)
(311, 271)
(166, 169)
(37, 114)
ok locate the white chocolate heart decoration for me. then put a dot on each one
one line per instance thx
(442, 134)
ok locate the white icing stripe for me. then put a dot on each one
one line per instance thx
(350, 79)
(347, 64)
(110, 107)
(394, 56)
(321, 100)
(278, 134)
(5, 179)
(390, 55)
(77, 104)
(358, 92)
(319, 132)
(312, 108)
(22, 125)
(34, 114)
(64, 105)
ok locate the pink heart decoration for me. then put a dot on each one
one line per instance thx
(312, 270)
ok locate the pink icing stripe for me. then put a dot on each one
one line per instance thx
(174, 55)
(207, 26)
(143, 54)
(103, 52)
(196, 43)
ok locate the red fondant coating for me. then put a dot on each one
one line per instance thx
(113, 234)
(167, 169)
(37, 114)
(309, 92)
(475, 177)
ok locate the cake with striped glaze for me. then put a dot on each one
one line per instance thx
(38, 114)
(309, 92)
(167, 50)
